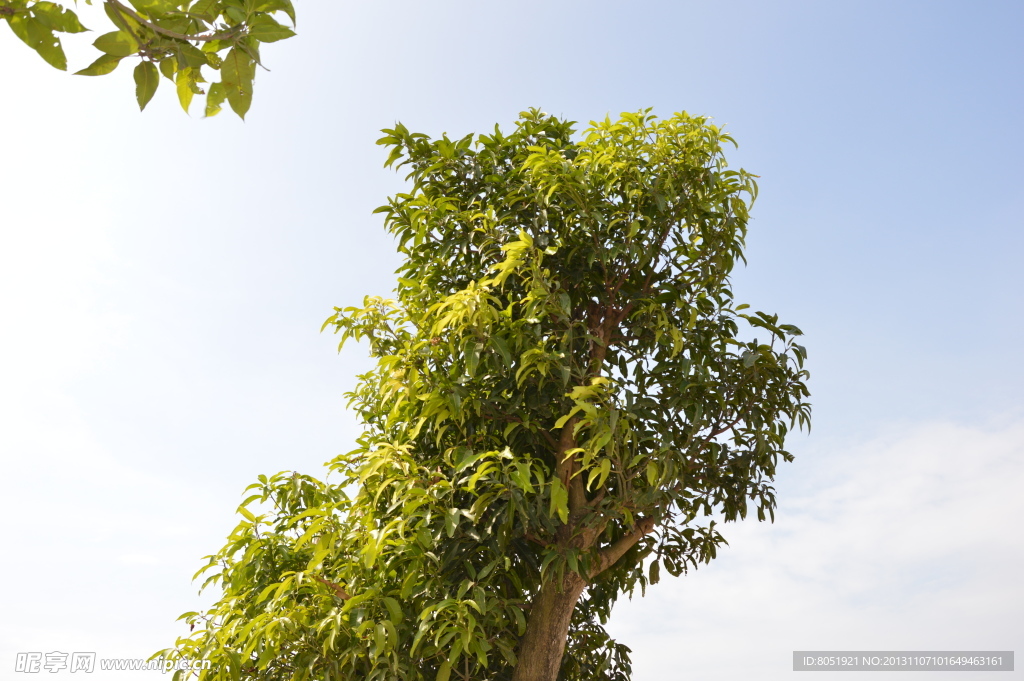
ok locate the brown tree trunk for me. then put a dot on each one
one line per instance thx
(542, 647)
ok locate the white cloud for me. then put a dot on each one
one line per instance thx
(908, 542)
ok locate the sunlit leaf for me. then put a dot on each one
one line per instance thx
(40, 37)
(266, 30)
(103, 65)
(147, 78)
(116, 43)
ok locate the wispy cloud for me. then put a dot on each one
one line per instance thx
(907, 542)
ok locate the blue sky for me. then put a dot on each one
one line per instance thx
(163, 280)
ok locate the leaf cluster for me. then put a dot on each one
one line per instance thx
(186, 41)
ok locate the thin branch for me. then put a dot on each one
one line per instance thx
(740, 414)
(612, 318)
(547, 436)
(530, 536)
(340, 592)
(120, 21)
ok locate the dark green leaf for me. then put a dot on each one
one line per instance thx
(654, 572)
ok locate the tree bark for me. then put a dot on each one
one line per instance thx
(542, 647)
(547, 628)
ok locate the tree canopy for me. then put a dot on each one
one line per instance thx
(186, 41)
(567, 401)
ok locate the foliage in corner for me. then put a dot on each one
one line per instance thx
(566, 396)
(177, 39)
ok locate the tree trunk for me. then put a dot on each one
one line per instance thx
(542, 647)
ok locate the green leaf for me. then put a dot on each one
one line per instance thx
(237, 73)
(58, 18)
(215, 99)
(456, 650)
(600, 474)
(444, 671)
(559, 500)
(499, 343)
(370, 552)
(102, 66)
(562, 420)
(40, 38)
(235, 666)
(654, 573)
(154, 7)
(205, 9)
(116, 43)
(168, 66)
(451, 521)
(394, 609)
(277, 5)
(191, 56)
(523, 476)
(266, 30)
(235, 14)
(520, 620)
(472, 354)
(147, 78)
(185, 85)
(652, 473)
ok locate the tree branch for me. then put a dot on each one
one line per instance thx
(338, 591)
(530, 536)
(611, 553)
(739, 417)
(547, 436)
(565, 467)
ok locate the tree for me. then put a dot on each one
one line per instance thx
(176, 38)
(562, 403)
